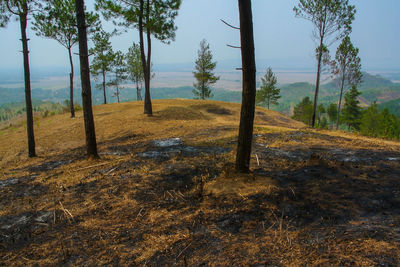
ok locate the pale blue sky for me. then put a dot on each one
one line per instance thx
(282, 40)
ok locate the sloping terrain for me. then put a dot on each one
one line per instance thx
(165, 193)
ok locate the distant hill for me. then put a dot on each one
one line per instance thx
(373, 88)
(392, 105)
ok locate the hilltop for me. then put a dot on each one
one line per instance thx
(165, 192)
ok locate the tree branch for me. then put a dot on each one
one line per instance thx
(233, 27)
(232, 46)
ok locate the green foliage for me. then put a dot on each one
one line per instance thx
(377, 123)
(268, 93)
(103, 59)
(204, 72)
(323, 124)
(103, 54)
(351, 111)
(159, 21)
(57, 21)
(134, 64)
(303, 111)
(393, 106)
(119, 70)
(332, 112)
(330, 18)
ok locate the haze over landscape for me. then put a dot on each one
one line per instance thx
(282, 42)
(195, 158)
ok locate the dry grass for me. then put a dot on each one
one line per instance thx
(313, 197)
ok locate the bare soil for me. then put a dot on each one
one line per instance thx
(165, 192)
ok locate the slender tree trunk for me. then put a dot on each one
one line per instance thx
(91, 145)
(138, 92)
(27, 77)
(118, 94)
(340, 103)
(147, 101)
(71, 84)
(317, 84)
(249, 87)
(104, 87)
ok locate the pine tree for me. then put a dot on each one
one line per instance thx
(332, 112)
(90, 132)
(150, 17)
(247, 110)
(135, 69)
(303, 111)
(332, 20)
(351, 111)
(320, 112)
(120, 73)
(204, 72)
(104, 57)
(57, 21)
(347, 69)
(268, 93)
(22, 9)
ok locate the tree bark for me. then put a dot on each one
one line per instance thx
(91, 145)
(148, 109)
(104, 87)
(340, 102)
(317, 84)
(27, 78)
(71, 85)
(138, 92)
(249, 87)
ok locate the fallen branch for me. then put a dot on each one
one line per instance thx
(177, 257)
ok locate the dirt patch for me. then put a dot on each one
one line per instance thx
(180, 113)
(213, 109)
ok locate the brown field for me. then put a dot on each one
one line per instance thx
(165, 193)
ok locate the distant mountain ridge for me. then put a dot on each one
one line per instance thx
(373, 88)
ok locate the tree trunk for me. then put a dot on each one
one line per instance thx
(138, 92)
(71, 85)
(317, 84)
(145, 63)
(148, 109)
(118, 94)
(249, 87)
(340, 103)
(91, 145)
(104, 87)
(27, 77)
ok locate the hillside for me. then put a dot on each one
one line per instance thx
(392, 105)
(165, 193)
(373, 88)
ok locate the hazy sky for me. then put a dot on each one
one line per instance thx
(282, 41)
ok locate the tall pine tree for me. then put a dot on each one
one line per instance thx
(21, 9)
(57, 21)
(332, 20)
(351, 111)
(204, 72)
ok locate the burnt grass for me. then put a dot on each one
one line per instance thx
(328, 204)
